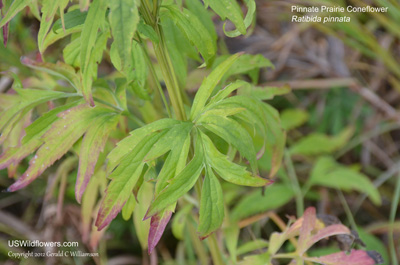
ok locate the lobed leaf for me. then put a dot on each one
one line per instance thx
(194, 31)
(209, 84)
(211, 213)
(228, 170)
(16, 6)
(123, 180)
(32, 140)
(58, 140)
(233, 133)
(92, 144)
(136, 136)
(180, 184)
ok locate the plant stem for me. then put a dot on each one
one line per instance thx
(215, 251)
(165, 63)
(295, 184)
(154, 78)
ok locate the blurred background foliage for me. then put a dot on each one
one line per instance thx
(343, 139)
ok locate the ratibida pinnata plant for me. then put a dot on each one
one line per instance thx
(141, 149)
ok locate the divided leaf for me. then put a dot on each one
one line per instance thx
(228, 170)
(180, 184)
(123, 180)
(58, 140)
(92, 144)
(16, 6)
(209, 84)
(194, 31)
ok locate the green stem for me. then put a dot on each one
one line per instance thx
(165, 63)
(215, 251)
(295, 184)
(155, 79)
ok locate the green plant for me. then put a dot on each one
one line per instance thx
(170, 148)
(153, 145)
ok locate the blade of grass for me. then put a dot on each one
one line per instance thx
(393, 210)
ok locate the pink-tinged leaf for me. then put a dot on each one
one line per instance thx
(5, 33)
(124, 179)
(157, 226)
(92, 145)
(332, 230)
(57, 141)
(356, 257)
(309, 219)
(32, 139)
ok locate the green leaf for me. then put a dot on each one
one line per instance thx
(226, 91)
(32, 140)
(211, 213)
(228, 170)
(29, 98)
(16, 6)
(49, 9)
(142, 227)
(147, 31)
(248, 63)
(58, 140)
(92, 144)
(251, 246)
(248, 20)
(275, 196)
(94, 19)
(328, 173)
(90, 72)
(209, 84)
(72, 19)
(89, 201)
(136, 136)
(123, 180)
(180, 184)
(124, 17)
(198, 9)
(179, 221)
(194, 31)
(60, 70)
(293, 118)
(128, 208)
(139, 76)
(229, 9)
(174, 137)
(233, 133)
(174, 163)
(317, 143)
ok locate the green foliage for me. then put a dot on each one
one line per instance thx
(147, 152)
